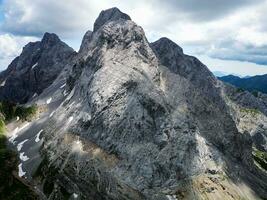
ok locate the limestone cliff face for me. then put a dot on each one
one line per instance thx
(250, 113)
(142, 121)
(35, 69)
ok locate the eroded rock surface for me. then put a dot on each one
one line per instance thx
(142, 121)
(35, 69)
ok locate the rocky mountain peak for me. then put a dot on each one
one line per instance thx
(111, 14)
(35, 69)
(85, 41)
(166, 43)
(126, 119)
(50, 39)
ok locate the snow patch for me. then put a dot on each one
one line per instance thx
(15, 133)
(35, 95)
(65, 93)
(71, 104)
(62, 86)
(3, 83)
(21, 172)
(34, 65)
(20, 145)
(24, 126)
(70, 119)
(51, 114)
(23, 157)
(75, 195)
(37, 139)
(71, 94)
(171, 197)
(48, 101)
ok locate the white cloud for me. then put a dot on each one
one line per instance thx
(233, 67)
(232, 30)
(10, 47)
(66, 18)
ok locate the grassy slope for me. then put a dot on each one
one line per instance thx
(11, 186)
(260, 157)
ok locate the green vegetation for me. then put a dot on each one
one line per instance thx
(250, 111)
(11, 186)
(2, 131)
(255, 93)
(239, 90)
(26, 113)
(260, 157)
(11, 111)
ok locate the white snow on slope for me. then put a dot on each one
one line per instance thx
(71, 94)
(71, 104)
(75, 195)
(52, 113)
(3, 83)
(62, 86)
(48, 101)
(37, 139)
(20, 145)
(14, 134)
(34, 65)
(21, 172)
(35, 95)
(171, 197)
(70, 119)
(23, 157)
(65, 93)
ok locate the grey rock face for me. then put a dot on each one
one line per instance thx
(35, 69)
(85, 42)
(141, 121)
(200, 93)
(249, 113)
(111, 14)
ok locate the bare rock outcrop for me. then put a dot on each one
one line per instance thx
(35, 69)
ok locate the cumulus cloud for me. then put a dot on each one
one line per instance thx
(229, 29)
(10, 47)
(26, 17)
(240, 36)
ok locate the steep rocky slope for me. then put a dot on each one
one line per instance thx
(35, 69)
(126, 119)
(249, 113)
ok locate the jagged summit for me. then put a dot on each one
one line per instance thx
(85, 41)
(166, 43)
(35, 69)
(130, 120)
(50, 38)
(111, 14)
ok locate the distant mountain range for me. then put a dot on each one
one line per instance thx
(254, 83)
(221, 74)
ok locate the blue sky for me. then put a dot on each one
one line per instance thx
(1, 11)
(228, 36)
